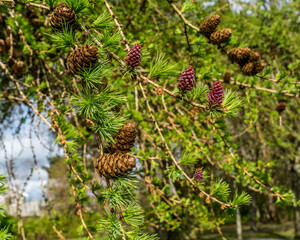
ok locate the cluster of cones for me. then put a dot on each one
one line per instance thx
(64, 17)
(208, 29)
(186, 82)
(247, 59)
(87, 55)
(118, 162)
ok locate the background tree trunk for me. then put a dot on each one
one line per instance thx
(239, 224)
(295, 179)
(253, 210)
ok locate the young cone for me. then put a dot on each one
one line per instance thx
(115, 165)
(82, 58)
(220, 36)
(239, 55)
(62, 15)
(186, 80)
(124, 139)
(216, 94)
(198, 176)
(134, 57)
(209, 25)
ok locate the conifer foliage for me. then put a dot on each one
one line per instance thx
(131, 123)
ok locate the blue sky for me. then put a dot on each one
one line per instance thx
(18, 148)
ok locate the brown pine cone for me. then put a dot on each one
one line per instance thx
(62, 15)
(252, 68)
(209, 25)
(81, 58)
(18, 68)
(220, 36)
(239, 55)
(125, 139)
(115, 165)
(227, 77)
(281, 106)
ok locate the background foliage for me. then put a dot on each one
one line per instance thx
(249, 154)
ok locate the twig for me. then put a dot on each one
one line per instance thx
(109, 8)
(79, 212)
(284, 92)
(169, 150)
(22, 37)
(188, 43)
(182, 17)
(237, 162)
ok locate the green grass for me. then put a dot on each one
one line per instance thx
(271, 230)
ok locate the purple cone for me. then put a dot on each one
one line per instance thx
(134, 57)
(186, 80)
(216, 94)
(198, 175)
